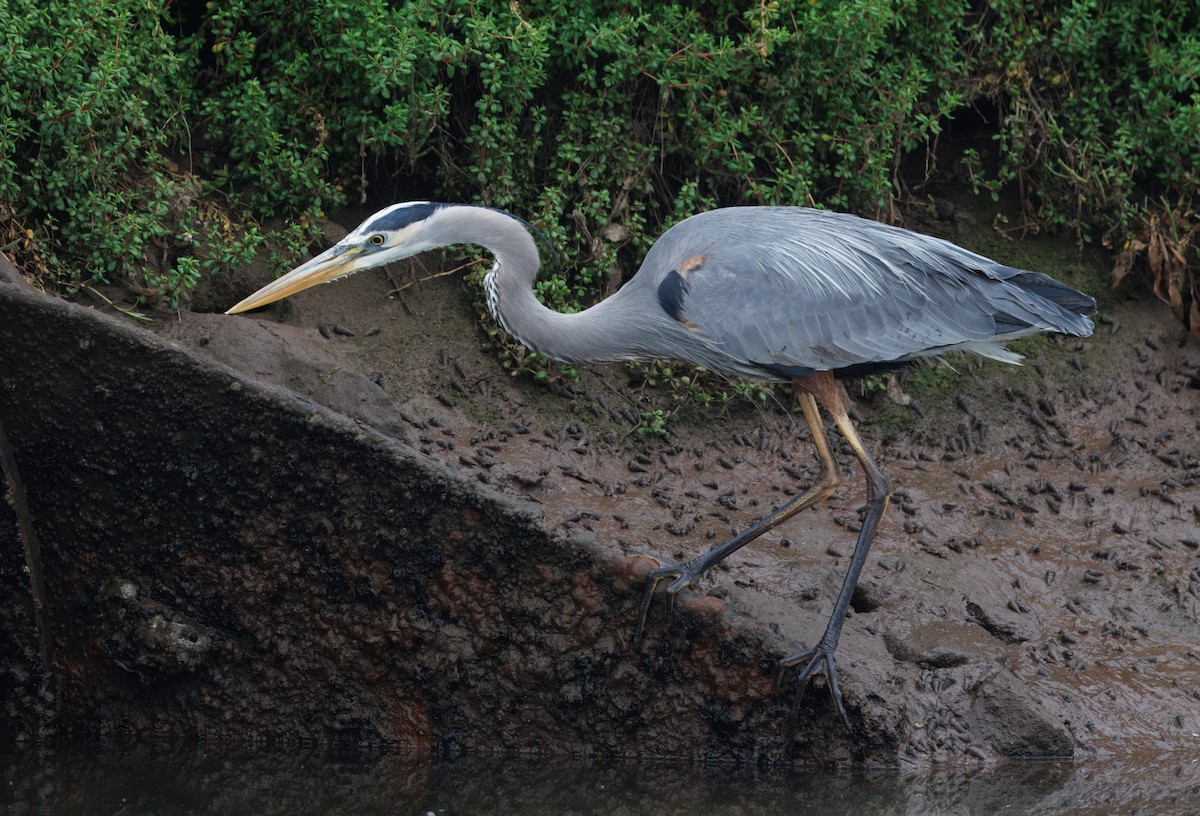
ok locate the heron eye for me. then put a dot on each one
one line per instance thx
(376, 239)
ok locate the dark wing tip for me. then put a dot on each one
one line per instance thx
(1056, 292)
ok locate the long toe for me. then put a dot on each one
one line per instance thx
(812, 661)
(684, 575)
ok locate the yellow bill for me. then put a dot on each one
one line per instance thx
(336, 262)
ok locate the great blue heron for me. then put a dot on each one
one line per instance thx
(782, 294)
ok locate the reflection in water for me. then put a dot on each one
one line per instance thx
(146, 780)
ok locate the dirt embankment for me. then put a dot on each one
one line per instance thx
(1034, 589)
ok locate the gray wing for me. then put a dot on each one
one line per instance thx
(789, 291)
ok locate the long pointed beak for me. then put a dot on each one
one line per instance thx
(335, 262)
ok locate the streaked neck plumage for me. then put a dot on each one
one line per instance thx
(596, 335)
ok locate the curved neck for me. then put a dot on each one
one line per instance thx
(596, 335)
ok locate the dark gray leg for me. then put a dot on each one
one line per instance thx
(688, 574)
(878, 492)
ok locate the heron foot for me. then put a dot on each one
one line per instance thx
(818, 658)
(684, 575)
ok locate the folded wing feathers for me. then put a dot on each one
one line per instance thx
(845, 291)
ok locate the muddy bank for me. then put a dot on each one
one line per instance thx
(225, 560)
(224, 557)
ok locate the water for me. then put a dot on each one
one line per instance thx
(148, 780)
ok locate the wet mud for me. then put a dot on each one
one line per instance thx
(1034, 589)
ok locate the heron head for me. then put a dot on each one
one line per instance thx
(394, 233)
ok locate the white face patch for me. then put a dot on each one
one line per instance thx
(393, 233)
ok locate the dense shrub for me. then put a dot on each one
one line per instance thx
(92, 106)
(142, 144)
(1102, 107)
(1102, 128)
(599, 122)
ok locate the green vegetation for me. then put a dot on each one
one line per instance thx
(94, 118)
(1102, 101)
(148, 143)
(654, 423)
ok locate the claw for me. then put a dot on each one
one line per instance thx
(814, 659)
(683, 576)
(643, 609)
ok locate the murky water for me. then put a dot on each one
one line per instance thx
(146, 780)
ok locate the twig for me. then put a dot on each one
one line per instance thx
(125, 310)
(468, 264)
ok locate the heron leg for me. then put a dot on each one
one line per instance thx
(689, 573)
(879, 491)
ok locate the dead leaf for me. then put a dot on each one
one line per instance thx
(1166, 243)
(1125, 262)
